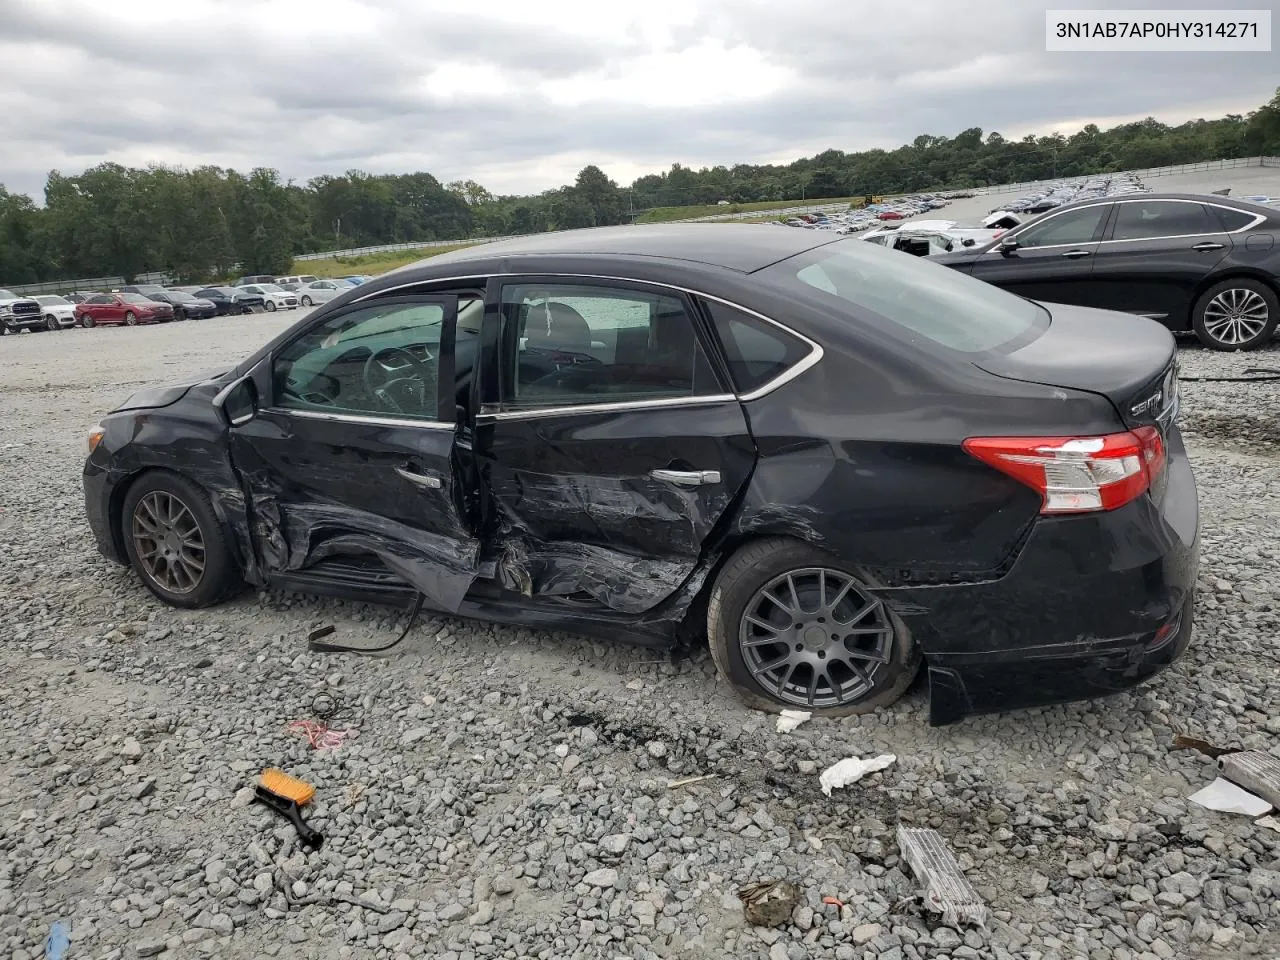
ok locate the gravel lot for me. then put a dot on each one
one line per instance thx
(505, 791)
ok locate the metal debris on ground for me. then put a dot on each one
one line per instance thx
(689, 781)
(851, 770)
(1182, 742)
(769, 903)
(1226, 797)
(788, 720)
(946, 891)
(1255, 771)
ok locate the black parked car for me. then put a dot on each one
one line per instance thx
(834, 460)
(1205, 264)
(185, 306)
(229, 300)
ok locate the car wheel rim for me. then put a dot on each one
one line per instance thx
(1236, 316)
(168, 542)
(815, 638)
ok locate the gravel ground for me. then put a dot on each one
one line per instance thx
(504, 792)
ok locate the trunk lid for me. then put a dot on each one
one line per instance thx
(1130, 360)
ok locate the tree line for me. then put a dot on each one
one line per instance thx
(197, 224)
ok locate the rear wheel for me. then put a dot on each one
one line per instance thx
(131, 319)
(1237, 314)
(790, 627)
(175, 543)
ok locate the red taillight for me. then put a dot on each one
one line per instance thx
(1078, 474)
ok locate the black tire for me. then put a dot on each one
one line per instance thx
(86, 321)
(271, 306)
(751, 569)
(220, 577)
(130, 319)
(179, 314)
(1257, 303)
(305, 301)
(51, 323)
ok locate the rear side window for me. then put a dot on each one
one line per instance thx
(912, 297)
(1233, 219)
(757, 351)
(1149, 219)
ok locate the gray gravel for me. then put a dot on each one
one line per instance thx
(505, 791)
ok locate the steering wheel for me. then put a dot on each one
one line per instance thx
(410, 377)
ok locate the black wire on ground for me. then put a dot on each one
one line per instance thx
(318, 646)
(1274, 375)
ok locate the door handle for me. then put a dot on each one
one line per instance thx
(1207, 245)
(687, 478)
(421, 479)
(1076, 254)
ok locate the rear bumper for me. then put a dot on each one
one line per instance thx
(1094, 604)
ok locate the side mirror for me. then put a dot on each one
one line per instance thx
(237, 403)
(968, 242)
(1009, 245)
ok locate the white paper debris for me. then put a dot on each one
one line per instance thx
(1226, 797)
(788, 720)
(1271, 823)
(851, 770)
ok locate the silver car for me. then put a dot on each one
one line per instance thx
(319, 291)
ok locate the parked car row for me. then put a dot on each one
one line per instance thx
(1078, 188)
(864, 218)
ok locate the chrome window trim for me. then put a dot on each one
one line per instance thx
(371, 419)
(621, 406)
(800, 366)
(1257, 219)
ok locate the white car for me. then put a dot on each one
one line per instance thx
(273, 296)
(321, 291)
(293, 283)
(59, 312)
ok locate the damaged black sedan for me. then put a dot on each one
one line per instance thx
(835, 462)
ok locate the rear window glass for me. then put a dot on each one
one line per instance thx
(1233, 219)
(913, 296)
(757, 351)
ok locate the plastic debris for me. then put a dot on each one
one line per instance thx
(688, 781)
(1271, 823)
(318, 733)
(769, 903)
(851, 770)
(788, 720)
(1183, 742)
(833, 901)
(1225, 797)
(1257, 772)
(946, 891)
(55, 947)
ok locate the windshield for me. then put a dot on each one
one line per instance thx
(913, 295)
(135, 298)
(53, 301)
(270, 287)
(180, 297)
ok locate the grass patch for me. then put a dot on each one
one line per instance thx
(667, 214)
(373, 263)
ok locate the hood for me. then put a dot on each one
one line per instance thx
(152, 398)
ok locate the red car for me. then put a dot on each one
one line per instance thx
(130, 309)
(890, 215)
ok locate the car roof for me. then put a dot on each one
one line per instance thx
(1247, 206)
(742, 247)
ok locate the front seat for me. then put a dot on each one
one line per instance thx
(556, 326)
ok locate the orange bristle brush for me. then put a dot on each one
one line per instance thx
(287, 795)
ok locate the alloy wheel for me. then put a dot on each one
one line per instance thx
(1236, 316)
(131, 319)
(814, 637)
(168, 542)
(51, 322)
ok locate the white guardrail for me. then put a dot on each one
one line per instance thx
(101, 283)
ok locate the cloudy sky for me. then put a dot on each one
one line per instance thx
(520, 94)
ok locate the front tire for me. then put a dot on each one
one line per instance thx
(86, 321)
(51, 323)
(1237, 314)
(271, 306)
(130, 319)
(790, 627)
(305, 301)
(175, 543)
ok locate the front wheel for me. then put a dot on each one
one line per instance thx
(271, 306)
(175, 543)
(179, 314)
(86, 321)
(305, 301)
(790, 627)
(51, 323)
(1237, 314)
(131, 319)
